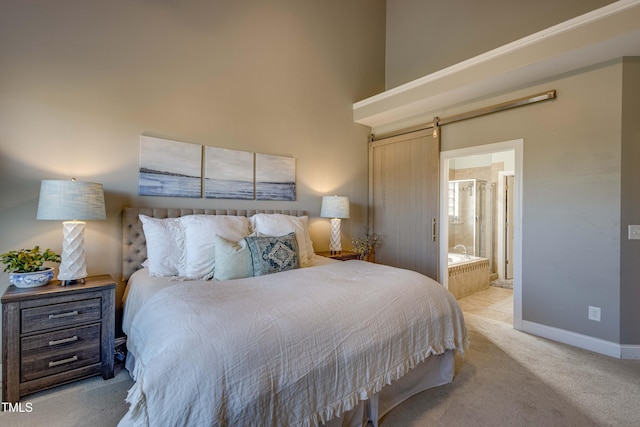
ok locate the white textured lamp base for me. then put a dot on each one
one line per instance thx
(72, 266)
(334, 245)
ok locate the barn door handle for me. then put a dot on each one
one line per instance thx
(434, 229)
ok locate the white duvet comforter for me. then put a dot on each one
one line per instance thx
(292, 348)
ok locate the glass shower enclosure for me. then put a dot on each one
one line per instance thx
(471, 216)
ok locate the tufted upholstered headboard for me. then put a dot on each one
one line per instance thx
(134, 245)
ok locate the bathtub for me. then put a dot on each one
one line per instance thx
(468, 274)
(456, 258)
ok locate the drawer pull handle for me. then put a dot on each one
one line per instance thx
(57, 316)
(63, 361)
(64, 340)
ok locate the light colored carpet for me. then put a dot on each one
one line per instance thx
(92, 402)
(508, 378)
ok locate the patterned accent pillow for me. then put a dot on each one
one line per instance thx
(279, 225)
(273, 254)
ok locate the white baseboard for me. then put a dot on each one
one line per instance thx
(629, 351)
(597, 345)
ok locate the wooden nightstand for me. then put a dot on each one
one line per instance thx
(56, 334)
(342, 256)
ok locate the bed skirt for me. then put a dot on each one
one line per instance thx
(434, 371)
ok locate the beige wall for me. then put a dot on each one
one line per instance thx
(426, 36)
(81, 81)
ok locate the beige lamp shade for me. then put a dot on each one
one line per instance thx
(71, 201)
(335, 207)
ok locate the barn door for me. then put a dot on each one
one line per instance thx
(404, 200)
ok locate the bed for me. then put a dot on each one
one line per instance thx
(284, 336)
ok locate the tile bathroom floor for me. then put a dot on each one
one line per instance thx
(494, 303)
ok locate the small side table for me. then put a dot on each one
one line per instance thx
(55, 334)
(342, 256)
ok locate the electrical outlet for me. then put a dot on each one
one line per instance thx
(594, 313)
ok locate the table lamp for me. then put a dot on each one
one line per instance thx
(72, 202)
(335, 207)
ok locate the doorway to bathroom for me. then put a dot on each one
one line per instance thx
(480, 211)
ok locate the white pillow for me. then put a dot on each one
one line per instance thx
(165, 245)
(280, 225)
(200, 232)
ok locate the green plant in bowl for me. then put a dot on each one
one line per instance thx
(26, 266)
(27, 260)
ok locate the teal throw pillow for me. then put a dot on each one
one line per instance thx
(232, 259)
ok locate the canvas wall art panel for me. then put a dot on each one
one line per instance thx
(275, 177)
(228, 174)
(169, 168)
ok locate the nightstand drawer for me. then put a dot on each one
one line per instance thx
(60, 315)
(54, 352)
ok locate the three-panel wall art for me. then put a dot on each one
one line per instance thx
(178, 169)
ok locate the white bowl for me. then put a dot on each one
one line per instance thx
(31, 280)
